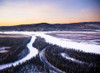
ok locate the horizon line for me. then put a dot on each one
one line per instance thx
(51, 23)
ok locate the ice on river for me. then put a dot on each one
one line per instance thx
(32, 53)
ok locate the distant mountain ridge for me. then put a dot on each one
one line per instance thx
(53, 27)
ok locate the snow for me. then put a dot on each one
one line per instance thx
(64, 55)
(3, 49)
(32, 53)
(66, 43)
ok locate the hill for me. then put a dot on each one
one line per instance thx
(53, 27)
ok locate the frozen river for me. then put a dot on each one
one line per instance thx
(32, 53)
(66, 43)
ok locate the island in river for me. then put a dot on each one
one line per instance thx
(58, 50)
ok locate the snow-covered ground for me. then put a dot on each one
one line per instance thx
(64, 55)
(66, 43)
(32, 53)
(43, 58)
(3, 49)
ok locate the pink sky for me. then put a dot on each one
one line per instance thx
(15, 12)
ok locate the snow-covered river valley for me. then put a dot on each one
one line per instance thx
(65, 43)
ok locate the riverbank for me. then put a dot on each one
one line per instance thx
(75, 61)
(14, 48)
(58, 53)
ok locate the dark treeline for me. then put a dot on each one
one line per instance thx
(52, 54)
(16, 55)
(24, 67)
(40, 43)
(91, 61)
(52, 27)
(17, 51)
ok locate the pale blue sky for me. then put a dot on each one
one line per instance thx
(51, 11)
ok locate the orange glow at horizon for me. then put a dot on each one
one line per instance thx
(12, 13)
(51, 22)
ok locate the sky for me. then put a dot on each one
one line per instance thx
(16, 12)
